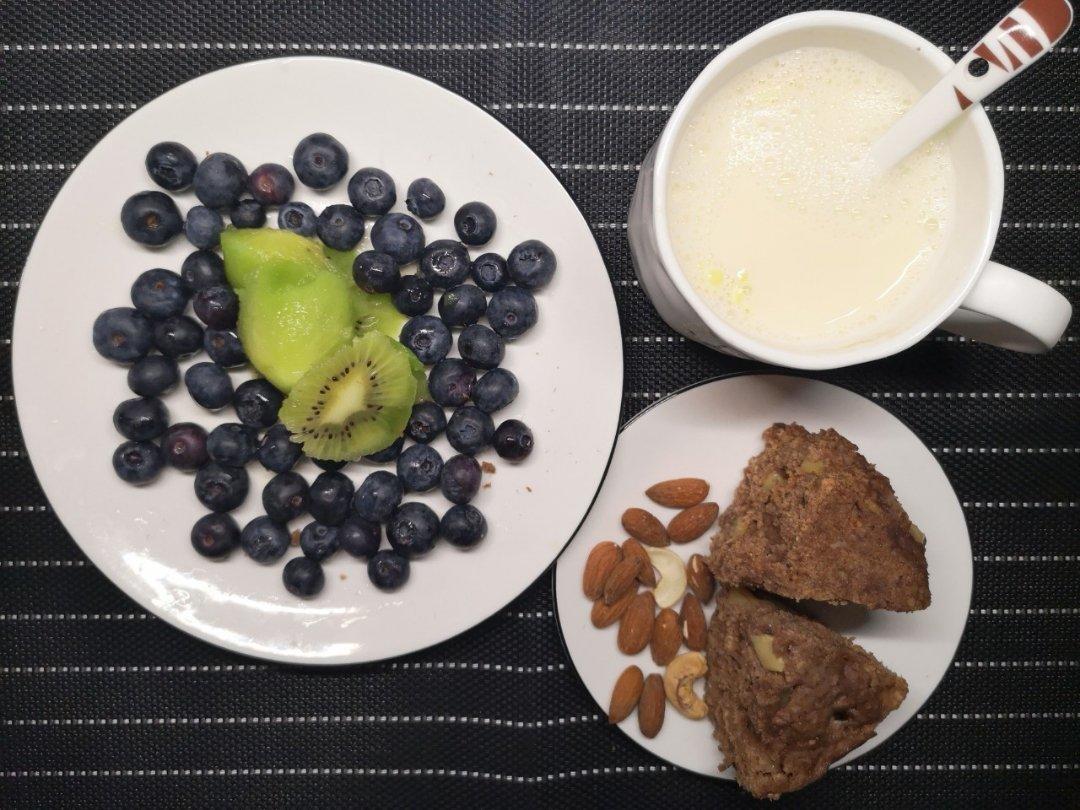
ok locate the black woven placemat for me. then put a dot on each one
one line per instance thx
(103, 705)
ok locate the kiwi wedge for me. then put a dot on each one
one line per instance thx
(354, 401)
(372, 310)
(271, 257)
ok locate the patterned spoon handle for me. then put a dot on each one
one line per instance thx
(1026, 33)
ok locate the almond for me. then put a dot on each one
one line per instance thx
(625, 695)
(666, 637)
(606, 615)
(602, 559)
(621, 580)
(692, 621)
(632, 548)
(644, 527)
(635, 627)
(679, 493)
(698, 577)
(651, 705)
(691, 523)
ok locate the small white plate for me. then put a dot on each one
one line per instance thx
(710, 431)
(82, 263)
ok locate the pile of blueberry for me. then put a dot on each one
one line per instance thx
(152, 335)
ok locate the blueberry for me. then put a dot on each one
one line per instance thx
(372, 192)
(428, 338)
(320, 160)
(224, 348)
(327, 464)
(378, 496)
(257, 402)
(184, 446)
(297, 217)
(138, 462)
(424, 198)
(460, 479)
(151, 218)
(178, 336)
(399, 235)
(388, 453)
(217, 307)
(330, 496)
(215, 535)
(495, 390)
(426, 422)
(220, 180)
(122, 334)
(376, 272)
(247, 214)
(203, 227)
(489, 272)
(480, 347)
(388, 571)
(202, 269)
(419, 467)
(475, 223)
(159, 293)
(265, 540)
(271, 184)
(153, 375)
(171, 165)
(513, 440)
(531, 264)
(463, 526)
(412, 529)
(318, 541)
(462, 305)
(209, 385)
(413, 296)
(469, 429)
(359, 537)
(277, 452)
(221, 488)
(232, 444)
(141, 418)
(444, 264)
(285, 496)
(303, 577)
(451, 382)
(512, 312)
(340, 227)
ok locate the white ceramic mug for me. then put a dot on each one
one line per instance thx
(972, 296)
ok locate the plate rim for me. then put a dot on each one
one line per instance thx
(166, 616)
(778, 372)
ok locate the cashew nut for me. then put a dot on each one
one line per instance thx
(766, 652)
(679, 680)
(672, 584)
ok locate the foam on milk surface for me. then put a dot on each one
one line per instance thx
(776, 216)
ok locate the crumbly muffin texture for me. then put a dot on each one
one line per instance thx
(787, 696)
(813, 519)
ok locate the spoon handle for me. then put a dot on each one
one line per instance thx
(1025, 34)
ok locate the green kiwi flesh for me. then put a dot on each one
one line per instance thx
(354, 401)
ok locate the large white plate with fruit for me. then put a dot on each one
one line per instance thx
(321, 328)
(709, 432)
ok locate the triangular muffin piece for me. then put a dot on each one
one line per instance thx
(788, 696)
(813, 519)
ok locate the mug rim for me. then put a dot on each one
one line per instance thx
(861, 352)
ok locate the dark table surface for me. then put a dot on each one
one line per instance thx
(104, 705)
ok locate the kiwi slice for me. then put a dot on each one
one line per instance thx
(270, 257)
(423, 393)
(372, 310)
(353, 402)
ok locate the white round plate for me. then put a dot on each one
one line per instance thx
(710, 431)
(82, 263)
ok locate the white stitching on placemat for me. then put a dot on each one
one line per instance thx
(1019, 504)
(1003, 450)
(1051, 766)
(42, 563)
(1025, 612)
(122, 669)
(1012, 664)
(996, 716)
(973, 395)
(1026, 558)
(31, 508)
(348, 719)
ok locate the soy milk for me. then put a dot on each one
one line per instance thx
(778, 219)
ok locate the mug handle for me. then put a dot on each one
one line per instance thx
(1010, 309)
